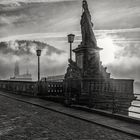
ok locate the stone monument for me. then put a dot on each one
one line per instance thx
(88, 64)
(87, 80)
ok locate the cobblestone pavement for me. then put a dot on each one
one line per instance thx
(21, 121)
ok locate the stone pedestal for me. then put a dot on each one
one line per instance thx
(88, 60)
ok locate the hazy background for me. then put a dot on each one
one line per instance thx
(116, 25)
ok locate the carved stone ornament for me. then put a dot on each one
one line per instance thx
(73, 71)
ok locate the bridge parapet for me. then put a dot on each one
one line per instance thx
(22, 87)
(47, 88)
(114, 95)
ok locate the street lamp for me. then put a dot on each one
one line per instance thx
(70, 40)
(38, 53)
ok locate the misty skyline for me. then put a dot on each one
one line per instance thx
(116, 26)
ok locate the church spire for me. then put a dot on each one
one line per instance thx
(16, 72)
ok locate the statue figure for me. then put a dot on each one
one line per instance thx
(86, 27)
(73, 71)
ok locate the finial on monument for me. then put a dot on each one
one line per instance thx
(85, 5)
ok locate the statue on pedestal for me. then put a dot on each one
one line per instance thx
(86, 27)
(87, 80)
(87, 63)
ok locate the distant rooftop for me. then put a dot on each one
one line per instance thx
(56, 78)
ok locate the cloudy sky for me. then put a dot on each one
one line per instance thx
(116, 26)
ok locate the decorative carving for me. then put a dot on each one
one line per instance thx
(73, 71)
(79, 61)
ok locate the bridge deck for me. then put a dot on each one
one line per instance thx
(105, 121)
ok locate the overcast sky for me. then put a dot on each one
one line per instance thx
(116, 26)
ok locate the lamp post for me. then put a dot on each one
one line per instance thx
(69, 88)
(70, 40)
(38, 53)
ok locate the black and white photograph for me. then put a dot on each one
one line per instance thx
(69, 69)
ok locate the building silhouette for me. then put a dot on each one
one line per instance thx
(20, 77)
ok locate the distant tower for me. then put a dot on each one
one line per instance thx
(27, 66)
(27, 71)
(16, 72)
